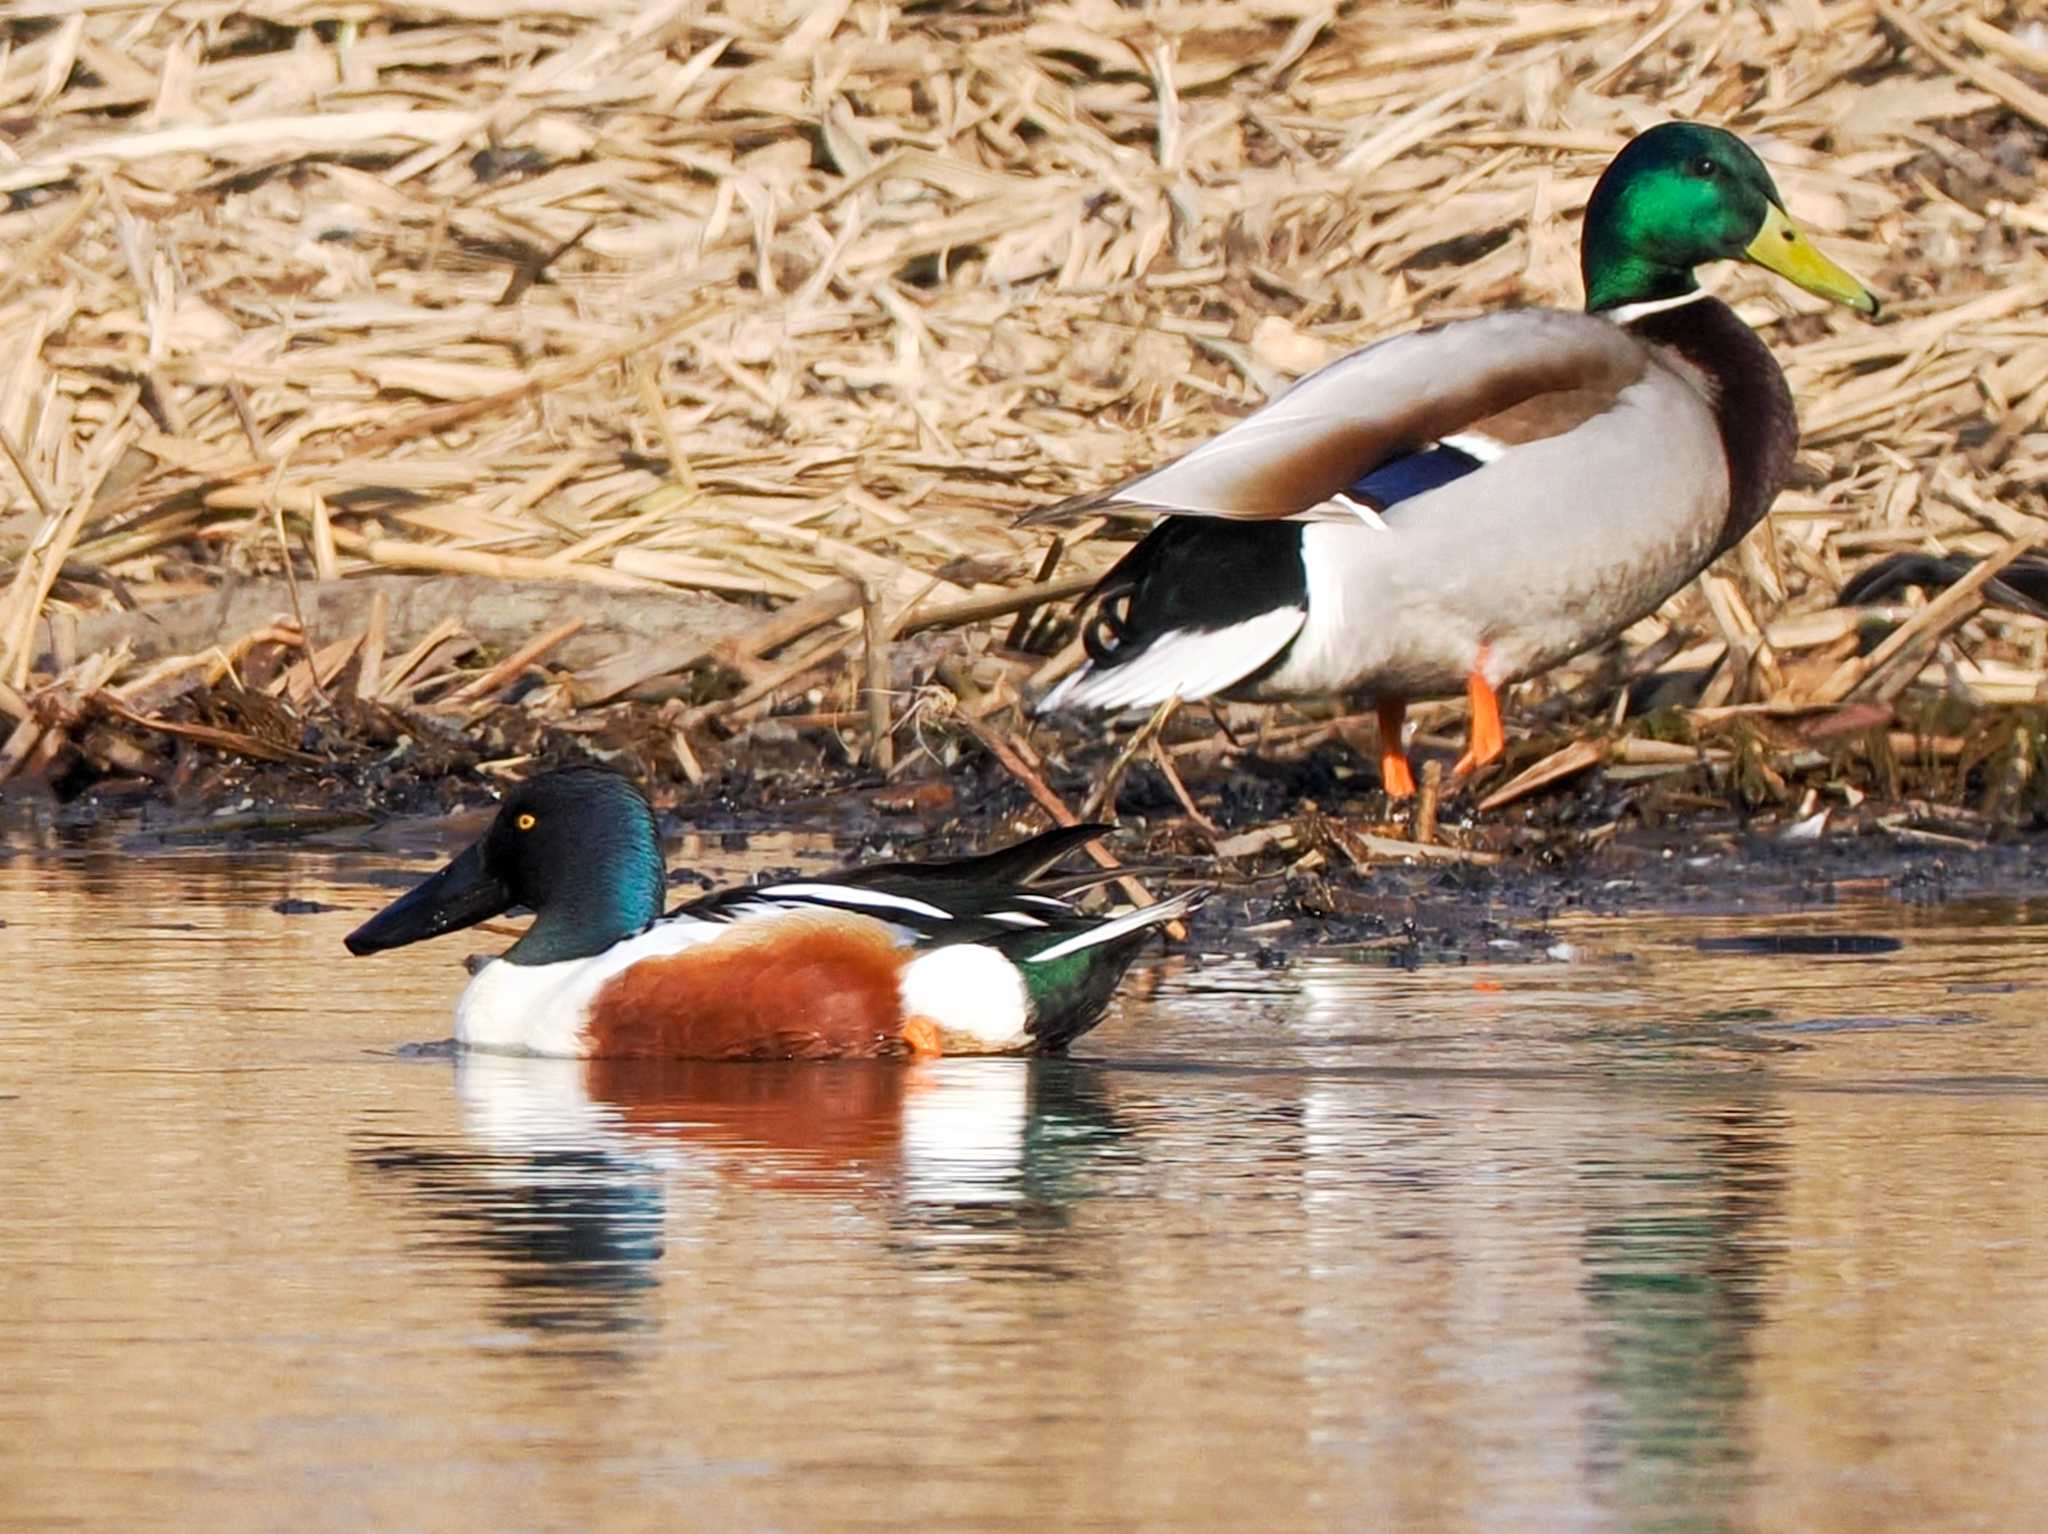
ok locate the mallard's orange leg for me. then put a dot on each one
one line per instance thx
(920, 1036)
(1486, 740)
(1394, 774)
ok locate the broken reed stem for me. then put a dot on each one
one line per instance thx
(679, 744)
(31, 589)
(1423, 827)
(447, 417)
(26, 474)
(779, 677)
(1577, 757)
(370, 667)
(980, 609)
(21, 740)
(1103, 799)
(234, 742)
(1020, 626)
(743, 653)
(402, 554)
(414, 658)
(1180, 789)
(875, 663)
(291, 585)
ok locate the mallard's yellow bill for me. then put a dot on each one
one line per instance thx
(1781, 248)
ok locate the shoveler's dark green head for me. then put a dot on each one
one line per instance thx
(578, 847)
(1682, 194)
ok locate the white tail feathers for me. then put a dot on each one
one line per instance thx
(1152, 915)
(1193, 663)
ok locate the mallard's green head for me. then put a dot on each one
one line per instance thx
(578, 847)
(1682, 194)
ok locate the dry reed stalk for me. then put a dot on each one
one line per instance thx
(744, 653)
(1422, 826)
(1362, 847)
(1102, 798)
(1022, 602)
(370, 669)
(742, 705)
(1560, 764)
(396, 677)
(305, 680)
(740, 297)
(484, 686)
(1179, 789)
(233, 742)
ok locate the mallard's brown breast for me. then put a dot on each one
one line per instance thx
(1751, 402)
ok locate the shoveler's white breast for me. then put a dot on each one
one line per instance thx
(544, 1009)
(974, 995)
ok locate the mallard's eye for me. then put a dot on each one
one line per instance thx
(1705, 167)
(524, 820)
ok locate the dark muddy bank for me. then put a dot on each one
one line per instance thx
(1308, 854)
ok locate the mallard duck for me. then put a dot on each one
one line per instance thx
(1477, 501)
(892, 959)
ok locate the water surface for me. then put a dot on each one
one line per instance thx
(1619, 1232)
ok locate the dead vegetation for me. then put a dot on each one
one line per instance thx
(799, 305)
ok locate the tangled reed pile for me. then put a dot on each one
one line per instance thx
(800, 304)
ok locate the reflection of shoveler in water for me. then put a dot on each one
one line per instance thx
(892, 959)
(956, 1132)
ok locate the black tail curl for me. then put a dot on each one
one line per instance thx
(1193, 573)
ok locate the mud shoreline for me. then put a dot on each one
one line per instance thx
(1291, 878)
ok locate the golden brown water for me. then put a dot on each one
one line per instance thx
(1528, 1245)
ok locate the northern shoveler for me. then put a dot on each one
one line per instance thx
(1474, 502)
(890, 959)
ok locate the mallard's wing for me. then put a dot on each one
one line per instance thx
(1394, 421)
(1537, 525)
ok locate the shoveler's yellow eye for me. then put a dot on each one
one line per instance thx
(524, 821)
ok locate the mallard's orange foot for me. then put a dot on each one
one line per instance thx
(921, 1036)
(1487, 740)
(1395, 775)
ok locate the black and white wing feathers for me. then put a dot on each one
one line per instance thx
(973, 899)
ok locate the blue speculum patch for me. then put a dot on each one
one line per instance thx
(1413, 474)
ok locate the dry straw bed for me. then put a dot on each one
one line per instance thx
(801, 304)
